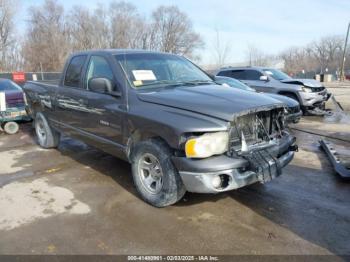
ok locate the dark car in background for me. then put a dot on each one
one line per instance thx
(293, 113)
(12, 106)
(310, 94)
(13, 92)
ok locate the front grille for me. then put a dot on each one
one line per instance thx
(317, 89)
(256, 128)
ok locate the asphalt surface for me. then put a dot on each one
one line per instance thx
(79, 200)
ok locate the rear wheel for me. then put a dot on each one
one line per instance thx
(47, 137)
(11, 128)
(155, 177)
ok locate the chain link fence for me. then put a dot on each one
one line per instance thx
(34, 76)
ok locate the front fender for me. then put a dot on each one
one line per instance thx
(170, 123)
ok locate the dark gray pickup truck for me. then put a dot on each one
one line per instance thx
(179, 130)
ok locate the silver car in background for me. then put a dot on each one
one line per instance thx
(310, 93)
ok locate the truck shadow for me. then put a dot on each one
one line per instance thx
(312, 203)
(317, 212)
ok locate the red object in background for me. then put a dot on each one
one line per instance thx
(18, 77)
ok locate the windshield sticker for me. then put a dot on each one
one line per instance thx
(269, 72)
(144, 75)
(137, 83)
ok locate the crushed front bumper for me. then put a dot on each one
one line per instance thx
(258, 166)
(316, 99)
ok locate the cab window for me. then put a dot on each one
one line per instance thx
(98, 68)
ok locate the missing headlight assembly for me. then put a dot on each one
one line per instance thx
(256, 130)
(260, 138)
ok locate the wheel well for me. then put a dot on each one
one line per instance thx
(35, 108)
(139, 136)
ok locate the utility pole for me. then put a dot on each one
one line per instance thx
(342, 73)
(41, 70)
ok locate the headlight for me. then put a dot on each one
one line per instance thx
(207, 145)
(306, 89)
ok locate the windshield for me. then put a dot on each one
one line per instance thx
(276, 74)
(148, 70)
(8, 85)
(233, 83)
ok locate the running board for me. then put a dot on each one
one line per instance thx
(339, 167)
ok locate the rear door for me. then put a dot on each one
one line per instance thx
(71, 106)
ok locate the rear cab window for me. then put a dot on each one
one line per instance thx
(74, 71)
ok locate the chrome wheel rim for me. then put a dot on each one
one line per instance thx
(40, 130)
(150, 173)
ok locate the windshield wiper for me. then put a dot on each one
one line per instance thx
(198, 82)
(170, 83)
(167, 82)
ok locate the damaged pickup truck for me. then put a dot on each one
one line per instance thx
(179, 130)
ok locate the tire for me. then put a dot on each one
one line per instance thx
(11, 128)
(155, 177)
(47, 137)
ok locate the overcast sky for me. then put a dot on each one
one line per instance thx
(271, 25)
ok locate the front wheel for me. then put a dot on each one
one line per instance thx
(155, 177)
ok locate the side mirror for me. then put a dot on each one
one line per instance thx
(264, 78)
(102, 85)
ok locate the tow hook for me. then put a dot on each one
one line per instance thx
(294, 148)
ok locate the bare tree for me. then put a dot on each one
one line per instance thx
(295, 59)
(257, 57)
(221, 50)
(81, 28)
(172, 32)
(101, 27)
(8, 45)
(89, 29)
(47, 41)
(128, 29)
(51, 34)
(315, 57)
(327, 51)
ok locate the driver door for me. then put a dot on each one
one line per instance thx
(106, 112)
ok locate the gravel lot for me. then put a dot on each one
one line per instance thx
(78, 200)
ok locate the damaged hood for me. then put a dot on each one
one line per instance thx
(304, 82)
(212, 100)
